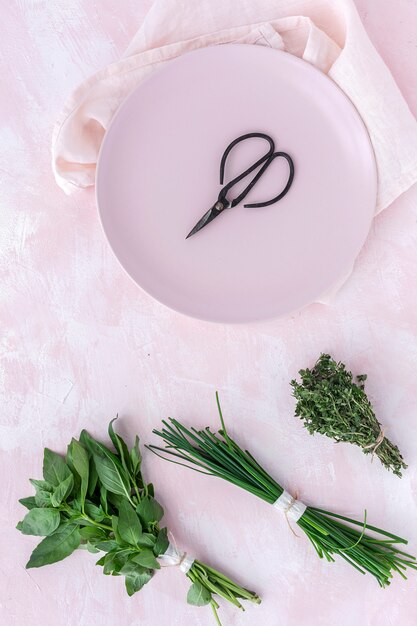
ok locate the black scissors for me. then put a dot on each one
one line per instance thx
(222, 201)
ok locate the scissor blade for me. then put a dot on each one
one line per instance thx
(206, 219)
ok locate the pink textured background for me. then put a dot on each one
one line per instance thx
(80, 342)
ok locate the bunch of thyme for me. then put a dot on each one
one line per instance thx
(331, 534)
(97, 499)
(332, 404)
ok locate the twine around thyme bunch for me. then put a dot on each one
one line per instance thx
(332, 403)
(375, 445)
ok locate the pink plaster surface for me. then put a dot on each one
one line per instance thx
(80, 342)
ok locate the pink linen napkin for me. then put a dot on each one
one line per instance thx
(326, 33)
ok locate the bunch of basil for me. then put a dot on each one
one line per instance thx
(97, 499)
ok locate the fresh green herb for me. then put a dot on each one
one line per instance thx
(96, 499)
(331, 403)
(331, 534)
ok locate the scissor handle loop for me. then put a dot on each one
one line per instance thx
(290, 162)
(234, 181)
(234, 143)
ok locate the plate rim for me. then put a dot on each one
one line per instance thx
(251, 319)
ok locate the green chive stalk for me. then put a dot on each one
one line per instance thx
(331, 534)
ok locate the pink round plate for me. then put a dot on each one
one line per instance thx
(158, 173)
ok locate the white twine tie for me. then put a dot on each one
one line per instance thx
(291, 507)
(173, 557)
(377, 443)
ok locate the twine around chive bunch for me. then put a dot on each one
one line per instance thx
(332, 404)
(367, 548)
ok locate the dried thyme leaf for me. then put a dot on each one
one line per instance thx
(332, 404)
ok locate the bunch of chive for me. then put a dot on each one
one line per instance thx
(331, 534)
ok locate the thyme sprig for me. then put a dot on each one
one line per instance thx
(331, 403)
(331, 534)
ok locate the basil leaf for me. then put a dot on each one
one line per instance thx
(121, 447)
(107, 545)
(135, 581)
(55, 547)
(162, 543)
(83, 522)
(55, 470)
(115, 524)
(89, 532)
(62, 491)
(77, 480)
(108, 563)
(85, 441)
(131, 568)
(41, 485)
(43, 499)
(112, 476)
(129, 526)
(121, 557)
(92, 548)
(79, 459)
(114, 561)
(43, 492)
(109, 469)
(29, 503)
(135, 457)
(103, 499)
(40, 522)
(92, 477)
(149, 510)
(93, 511)
(96, 448)
(150, 490)
(146, 540)
(146, 558)
(198, 595)
(114, 499)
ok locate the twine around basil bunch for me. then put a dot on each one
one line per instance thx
(96, 498)
(332, 404)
